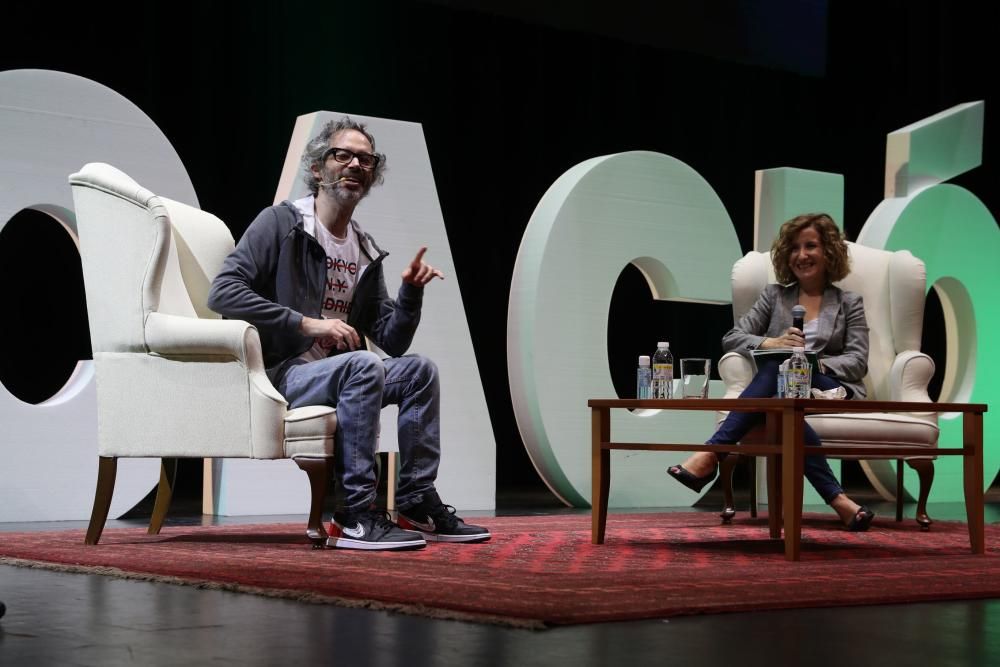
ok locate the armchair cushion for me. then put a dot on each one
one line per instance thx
(865, 428)
(917, 430)
(309, 431)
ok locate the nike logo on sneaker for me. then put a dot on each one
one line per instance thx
(357, 532)
(428, 527)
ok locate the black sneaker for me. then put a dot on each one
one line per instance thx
(438, 522)
(371, 530)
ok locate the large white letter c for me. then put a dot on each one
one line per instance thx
(643, 208)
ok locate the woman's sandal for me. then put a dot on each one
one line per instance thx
(861, 521)
(681, 474)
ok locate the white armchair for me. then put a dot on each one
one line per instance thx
(173, 379)
(893, 287)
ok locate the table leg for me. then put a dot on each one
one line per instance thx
(792, 429)
(600, 472)
(899, 489)
(972, 477)
(772, 427)
(774, 496)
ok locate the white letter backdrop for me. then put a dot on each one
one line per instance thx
(659, 214)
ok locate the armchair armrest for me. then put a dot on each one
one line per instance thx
(909, 376)
(175, 335)
(736, 372)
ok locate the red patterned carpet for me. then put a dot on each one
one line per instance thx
(543, 570)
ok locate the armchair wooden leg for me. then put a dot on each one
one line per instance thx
(107, 470)
(318, 470)
(164, 492)
(925, 471)
(753, 487)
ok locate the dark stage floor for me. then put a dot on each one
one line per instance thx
(72, 619)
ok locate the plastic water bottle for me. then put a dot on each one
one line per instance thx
(799, 376)
(642, 378)
(663, 372)
(782, 376)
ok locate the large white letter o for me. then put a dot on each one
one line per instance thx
(51, 124)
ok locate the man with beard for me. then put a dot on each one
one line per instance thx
(311, 281)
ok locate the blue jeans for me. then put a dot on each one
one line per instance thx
(359, 384)
(737, 424)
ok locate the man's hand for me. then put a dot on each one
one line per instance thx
(420, 273)
(335, 332)
(791, 338)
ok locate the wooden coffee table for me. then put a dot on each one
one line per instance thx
(784, 428)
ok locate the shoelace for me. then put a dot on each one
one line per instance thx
(444, 516)
(381, 519)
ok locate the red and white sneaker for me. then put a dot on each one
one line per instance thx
(371, 530)
(438, 522)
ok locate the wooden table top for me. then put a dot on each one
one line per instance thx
(779, 404)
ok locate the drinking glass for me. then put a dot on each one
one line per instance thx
(695, 374)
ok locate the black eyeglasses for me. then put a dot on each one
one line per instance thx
(344, 156)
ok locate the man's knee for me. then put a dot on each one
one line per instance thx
(424, 368)
(366, 359)
(367, 366)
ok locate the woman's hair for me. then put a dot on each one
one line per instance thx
(838, 265)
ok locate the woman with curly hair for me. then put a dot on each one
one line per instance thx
(809, 255)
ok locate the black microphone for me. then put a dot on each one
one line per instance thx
(799, 314)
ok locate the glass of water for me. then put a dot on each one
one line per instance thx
(695, 374)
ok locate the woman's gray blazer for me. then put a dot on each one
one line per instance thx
(841, 339)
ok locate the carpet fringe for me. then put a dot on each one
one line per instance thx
(313, 598)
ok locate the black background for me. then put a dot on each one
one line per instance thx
(510, 96)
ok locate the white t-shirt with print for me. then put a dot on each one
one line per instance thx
(344, 265)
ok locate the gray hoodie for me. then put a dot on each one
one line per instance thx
(277, 274)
